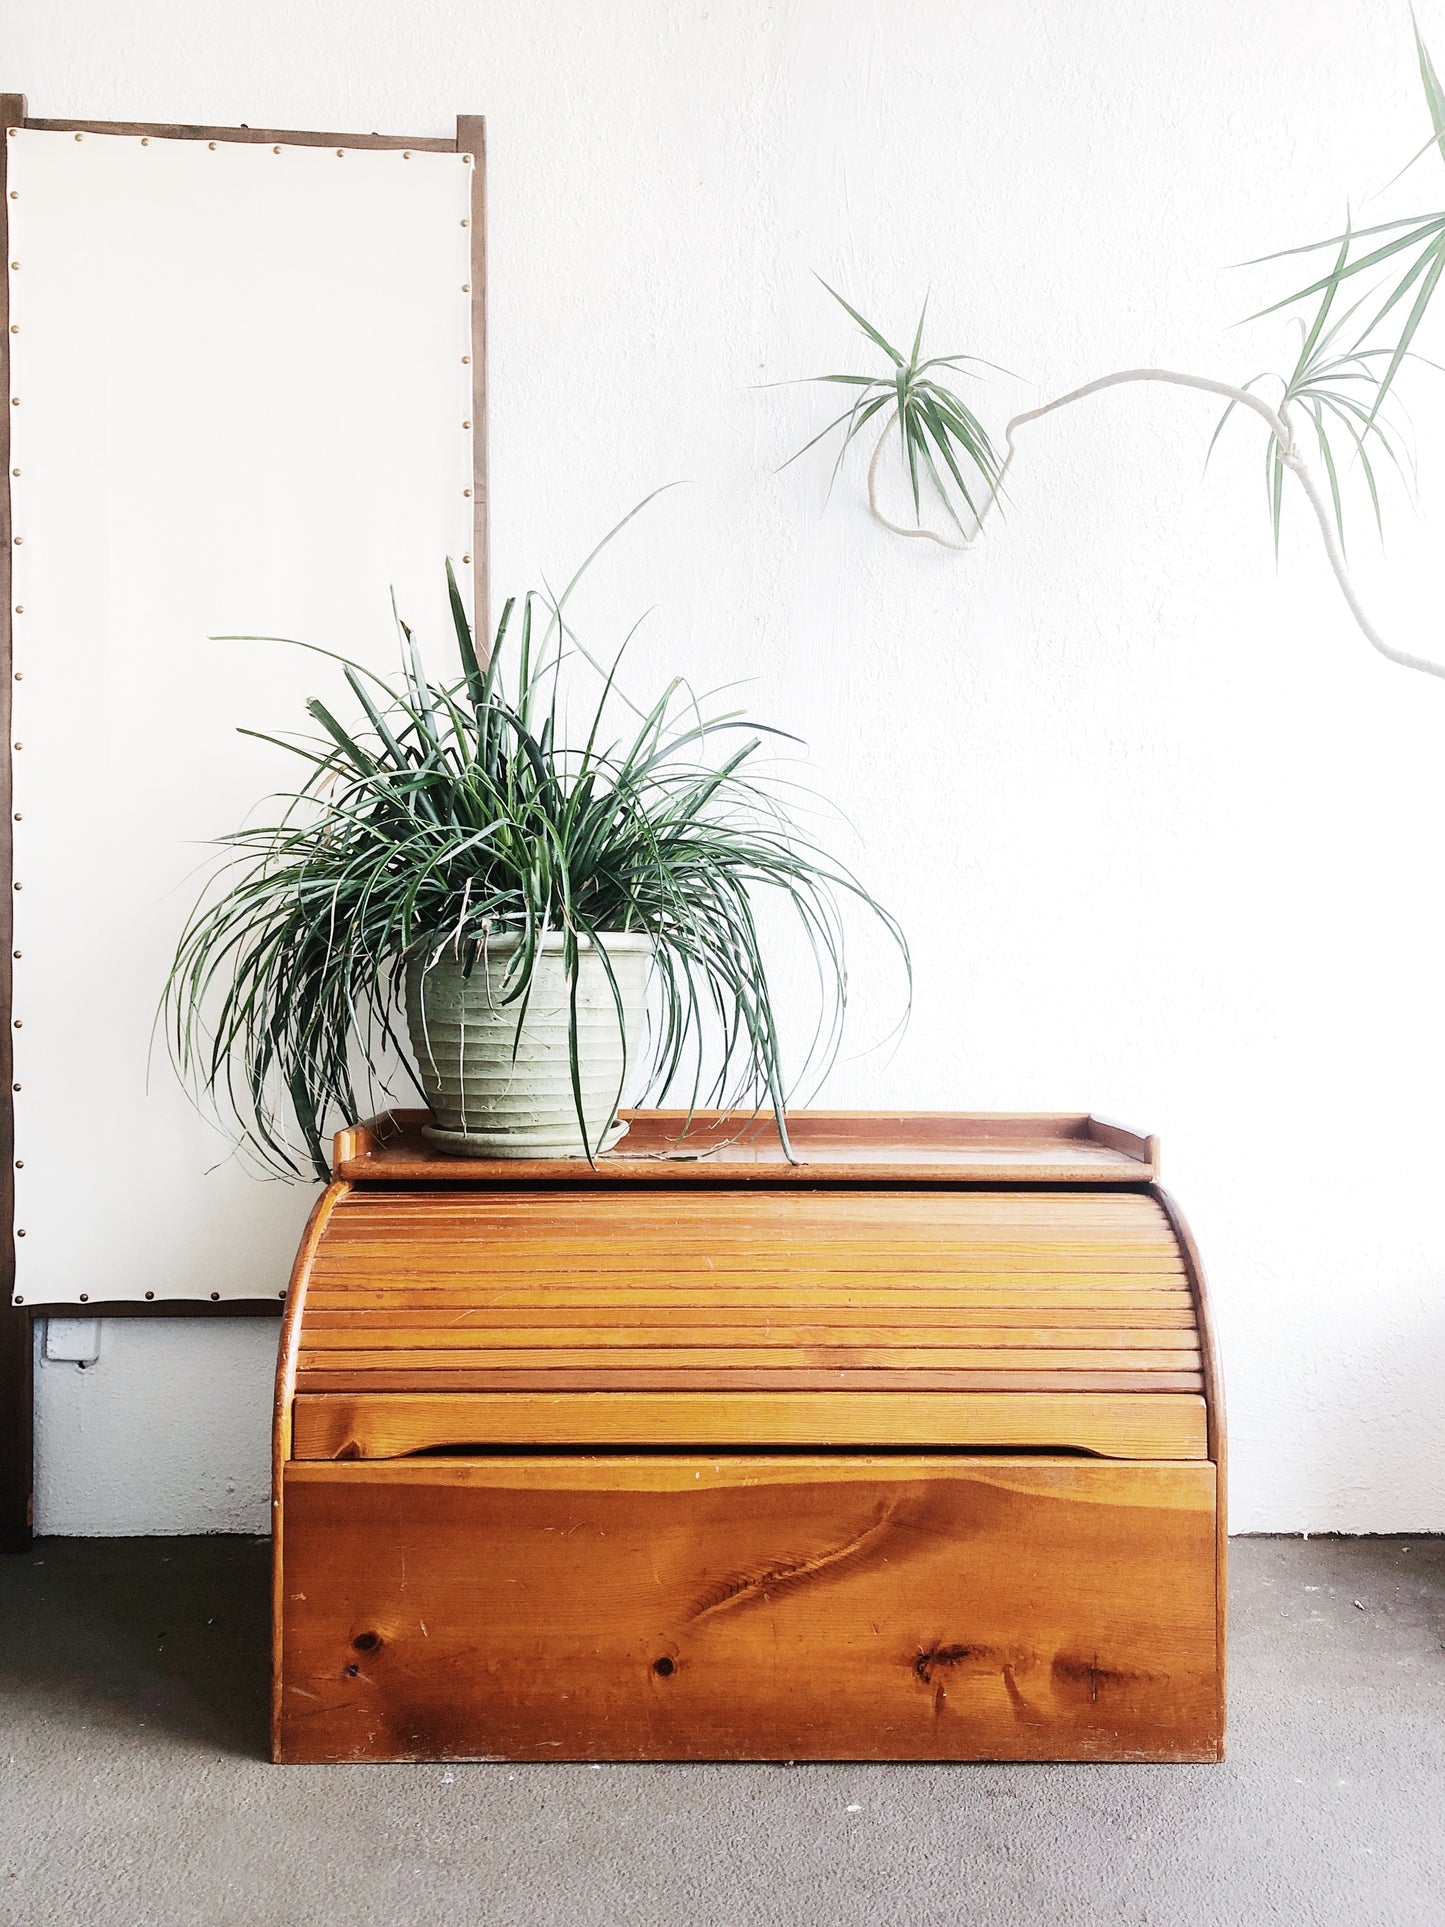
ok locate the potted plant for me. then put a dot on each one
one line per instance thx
(564, 917)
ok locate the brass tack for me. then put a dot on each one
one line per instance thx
(466, 358)
(466, 287)
(18, 1299)
(19, 819)
(215, 1294)
(145, 140)
(150, 1294)
(12, 132)
(211, 145)
(19, 1164)
(17, 953)
(466, 424)
(14, 266)
(19, 886)
(20, 745)
(14, 327)
(340, 155)
(466, 491)
(20, 606)
(274, 150)
(16, 1087)
(80, 137)
(85, 1298)
(15, 196)
(467, 559)
(19, 676)
(466, 223)
(20, 541)
(14, 401)
(19, 1023)
(406, 154)
(466, 160)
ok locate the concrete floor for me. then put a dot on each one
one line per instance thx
(133, 1792)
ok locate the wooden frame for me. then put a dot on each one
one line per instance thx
(16, 1340)
(923, 1147)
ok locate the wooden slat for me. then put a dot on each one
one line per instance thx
(909, 1213)
(392, 1424)
(909, 1216)
(742, 1336)
(582, 1357)
(746, 1378)
(493, 1267)
(696, 1310)
(332, 1284)
(827, 1205)
(921, 1309)
(825, 1202)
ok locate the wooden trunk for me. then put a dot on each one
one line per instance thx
(909, 1451)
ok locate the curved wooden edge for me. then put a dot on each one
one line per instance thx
(281, 1414)
(1218, 1437)
(1133, 1144)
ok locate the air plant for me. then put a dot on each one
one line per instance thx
(1339, 389)
(935, 424)
(451, 811)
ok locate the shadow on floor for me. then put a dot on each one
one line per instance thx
(173, 1633)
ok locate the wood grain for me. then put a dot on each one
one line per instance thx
(710, 1608)
(623, 1378)
(395, 1424)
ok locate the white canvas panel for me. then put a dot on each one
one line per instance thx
(242, 404)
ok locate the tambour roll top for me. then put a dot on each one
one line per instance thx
(678, 1279)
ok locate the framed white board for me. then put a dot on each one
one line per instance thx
(246, 387)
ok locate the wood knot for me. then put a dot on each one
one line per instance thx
(366, 1642)
(664, 1667)
(937, 1656)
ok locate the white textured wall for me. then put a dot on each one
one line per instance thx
(1167, 838)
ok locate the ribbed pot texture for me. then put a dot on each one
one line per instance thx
(493, 1094)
